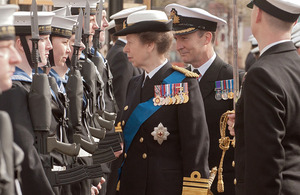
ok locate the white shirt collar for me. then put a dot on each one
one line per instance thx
(203, 68)
(153, 72)
(271, 45)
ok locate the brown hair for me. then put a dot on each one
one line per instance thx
(213, 37)
(163, 40)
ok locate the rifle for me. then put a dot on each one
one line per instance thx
(40, 92)
(74, 90)
(99, 63)
(92, 78)
(40, 110)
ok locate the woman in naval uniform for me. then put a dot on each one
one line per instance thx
(165, 133)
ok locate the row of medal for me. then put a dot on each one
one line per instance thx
(224, 89)
(169, 94)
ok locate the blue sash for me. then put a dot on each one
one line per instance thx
(144, 110)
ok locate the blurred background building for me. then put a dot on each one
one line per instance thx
(220, 8)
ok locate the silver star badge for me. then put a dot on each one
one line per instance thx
(160, 133)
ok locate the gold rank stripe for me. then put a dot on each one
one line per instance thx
(195, 184)
(192, 191)
(202, 180)
(184, 30)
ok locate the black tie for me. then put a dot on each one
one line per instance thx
(145, 81)
(197, 71)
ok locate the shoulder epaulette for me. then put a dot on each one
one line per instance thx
(186, 72)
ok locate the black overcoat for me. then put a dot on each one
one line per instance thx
(268, 124)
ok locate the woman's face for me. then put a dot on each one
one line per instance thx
(44, 45)
(9, 58)
(93, 27)
(104, 25)
(61, 50)
(136, 51)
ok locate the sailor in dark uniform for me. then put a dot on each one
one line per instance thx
(164, 126)
(267, 118)
(11, 155)
(15, 101)
(111, 30)
(194, 30)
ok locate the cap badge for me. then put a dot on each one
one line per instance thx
(124, 24)
(174, 16)
(160, 133)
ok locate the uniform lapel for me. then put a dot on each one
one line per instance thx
(148, 89)
(207, 82)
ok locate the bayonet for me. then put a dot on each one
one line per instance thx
(77, 42)
(35, 37)
(86, 30)
(78, 31)
(34, 21)
(87, 13)
(96, 43)
(99, 13)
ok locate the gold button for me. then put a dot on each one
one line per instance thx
(125, 155)
(144, 156)
(233, 164)
(123, 123)
(141, 139)
(126, 108)
(234, 181)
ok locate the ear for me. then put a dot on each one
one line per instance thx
(18, 44)
(208, 37)
(258, 16)
(150, 46)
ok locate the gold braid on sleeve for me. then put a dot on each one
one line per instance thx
(224, 144)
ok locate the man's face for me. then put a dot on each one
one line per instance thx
(191, 47)
(9, 58)
(61, 50)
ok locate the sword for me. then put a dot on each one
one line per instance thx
(235, 54)
(224, 141)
